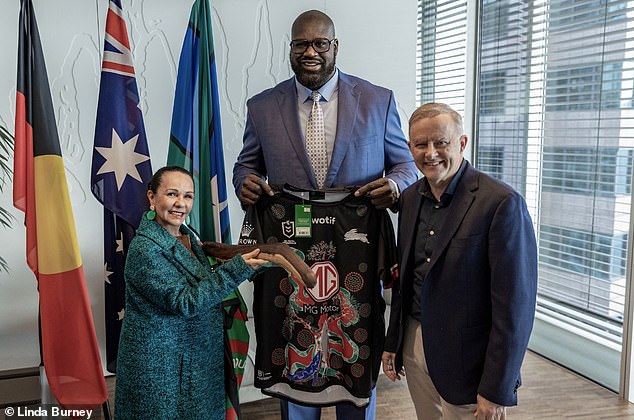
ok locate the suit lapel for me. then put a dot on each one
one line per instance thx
(460, 204)
(408, 218)
(287, 101)
(348, 98)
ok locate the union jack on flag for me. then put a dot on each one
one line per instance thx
(121, 167)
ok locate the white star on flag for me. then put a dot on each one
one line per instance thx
(121, 159)
(217, 209)
(121, 314)
(107, 273)
(119, 243)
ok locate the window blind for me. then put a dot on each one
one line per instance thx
(554, 119)
(441, 52)
(555, 114)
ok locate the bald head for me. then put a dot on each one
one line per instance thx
(312, 17)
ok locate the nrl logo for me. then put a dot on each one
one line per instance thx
(353, 235)
(288, 228)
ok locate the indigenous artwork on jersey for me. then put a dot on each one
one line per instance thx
(321, 345)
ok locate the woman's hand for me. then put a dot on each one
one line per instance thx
(277, 253)
(251, 260)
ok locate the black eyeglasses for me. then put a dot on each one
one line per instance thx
(320, 45)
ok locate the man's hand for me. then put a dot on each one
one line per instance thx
(389, 363)
(252, 188)
(488, 410)
(382, 192)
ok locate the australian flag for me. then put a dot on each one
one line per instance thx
(121, 167)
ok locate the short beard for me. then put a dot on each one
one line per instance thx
(313, 80)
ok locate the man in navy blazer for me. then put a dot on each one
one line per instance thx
(463, 309)
(365, 144)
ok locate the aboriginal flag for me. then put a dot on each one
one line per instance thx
(69, 345)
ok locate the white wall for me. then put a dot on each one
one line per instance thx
(377, 42)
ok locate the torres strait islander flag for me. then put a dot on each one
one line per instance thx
(196, 136)
(69, 345)
(121, 168)
(196, 145)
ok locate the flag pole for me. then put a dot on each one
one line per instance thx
(46, 396)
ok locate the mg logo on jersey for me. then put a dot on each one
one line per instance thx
(327, 281)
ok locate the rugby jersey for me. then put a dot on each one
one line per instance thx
(321, 346)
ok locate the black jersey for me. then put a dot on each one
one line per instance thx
(321, 346)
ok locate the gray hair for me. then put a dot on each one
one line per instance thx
(432, 109)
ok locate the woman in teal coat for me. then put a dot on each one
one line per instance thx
(170, 363)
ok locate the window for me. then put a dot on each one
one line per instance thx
(584, 88)
(593, 275)
(492, 92)
(578, 170)
(441, 57)
(564, 123)
(568, 249)
(491, 160)
(554, 119)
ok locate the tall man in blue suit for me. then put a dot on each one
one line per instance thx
(364, 139)
(463, 308)
(365, 144)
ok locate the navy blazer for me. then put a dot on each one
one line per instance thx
(478, 297)
(369, 140)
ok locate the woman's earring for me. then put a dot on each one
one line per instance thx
(151, 215)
